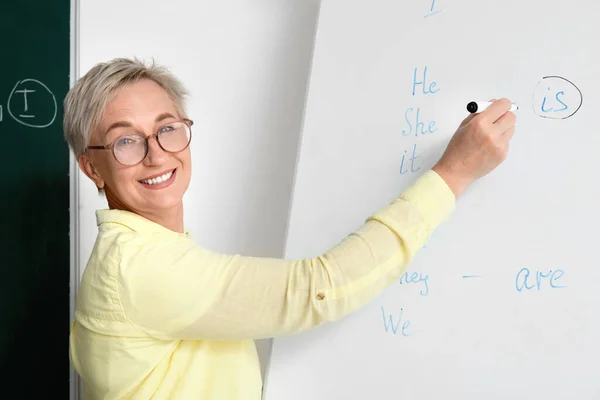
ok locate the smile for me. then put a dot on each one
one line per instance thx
(157, 180)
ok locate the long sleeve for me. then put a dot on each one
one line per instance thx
(174, 289)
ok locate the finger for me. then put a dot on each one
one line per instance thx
(496, 110)
(505, 122)
(506, 150)
(467, 120)
(508, 134)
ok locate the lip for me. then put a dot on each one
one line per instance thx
(157, 175)
(163, 184)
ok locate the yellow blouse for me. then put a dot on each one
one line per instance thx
(160, 317)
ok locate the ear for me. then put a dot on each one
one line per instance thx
(87, 166)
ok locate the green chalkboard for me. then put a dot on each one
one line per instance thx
(34, 198)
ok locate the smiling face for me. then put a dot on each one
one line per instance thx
(158, 183)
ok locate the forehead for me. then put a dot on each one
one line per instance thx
(138, 102)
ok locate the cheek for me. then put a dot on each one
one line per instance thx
(108, 170)
(187, 156)
(186, 161)
(121, 179)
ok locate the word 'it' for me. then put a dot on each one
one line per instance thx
(410, 161)
(527, 280)
(395, 324)
(416, 278)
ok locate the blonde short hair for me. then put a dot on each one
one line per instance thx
(85, 103)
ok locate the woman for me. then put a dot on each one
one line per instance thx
(159, 316)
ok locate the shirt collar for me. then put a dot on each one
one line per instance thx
(133, 221)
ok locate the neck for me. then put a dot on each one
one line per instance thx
(170, 218)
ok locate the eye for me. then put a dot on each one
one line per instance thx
(166, 128)
(127, 141)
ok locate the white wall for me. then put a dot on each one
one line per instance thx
(246, 64)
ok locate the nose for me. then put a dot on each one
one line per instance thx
(156, 155)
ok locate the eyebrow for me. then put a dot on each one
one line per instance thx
(125, 124)
(163, 116)
(119, 124)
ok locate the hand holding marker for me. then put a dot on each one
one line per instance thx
(479, 106)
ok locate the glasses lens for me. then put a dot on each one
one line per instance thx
(174, 137)
(130, 150)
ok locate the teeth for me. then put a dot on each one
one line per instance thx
(158, 179)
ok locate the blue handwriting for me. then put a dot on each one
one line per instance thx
(563, 108)
(431, 10)
(419, 126)
(412, 161)
(390, 325)
(426, 88)
(528, 280)
(416, 277)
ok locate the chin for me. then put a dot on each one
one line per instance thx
(166, 201)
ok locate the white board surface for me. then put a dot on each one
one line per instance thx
(503, 301)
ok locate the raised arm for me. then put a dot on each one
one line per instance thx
(178, 290)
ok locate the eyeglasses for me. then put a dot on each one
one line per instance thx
(131, 149)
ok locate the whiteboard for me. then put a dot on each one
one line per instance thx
(502, 303)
